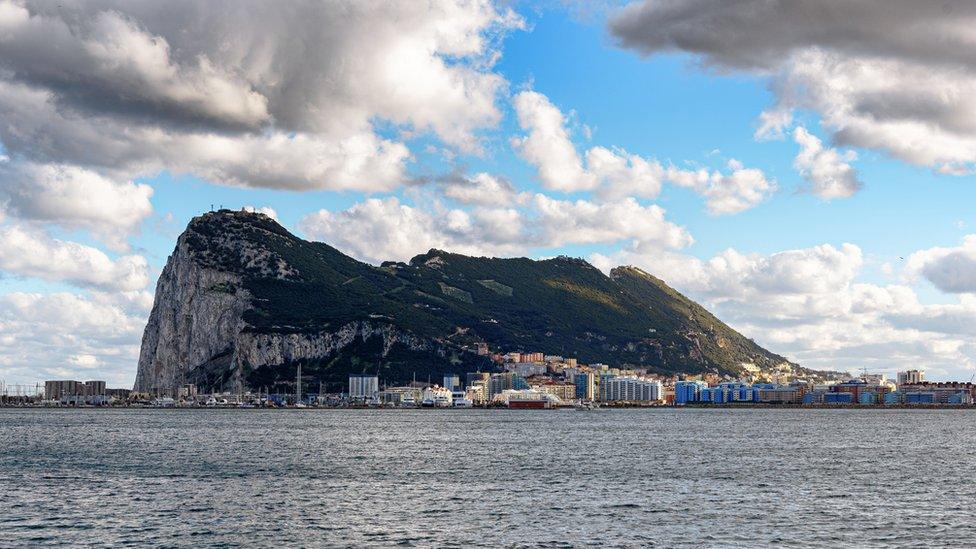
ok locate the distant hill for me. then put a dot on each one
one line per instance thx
(241, 302)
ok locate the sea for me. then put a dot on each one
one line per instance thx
(487, 478)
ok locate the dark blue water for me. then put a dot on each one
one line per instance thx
(488, 478)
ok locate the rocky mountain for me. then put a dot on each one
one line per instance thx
(241, 302)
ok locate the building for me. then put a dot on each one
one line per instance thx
(920, 398)
(95, 388)
(69, 391)
(632, 389)
(688, 391)
(475, 377)
(942, 390)
(527, 369)
(508, 381)
(839, 398)
(565, 392)
(363, 386)
(54, 390)
(911, 377)
(781, 395)
(452, 382)
(585, 386)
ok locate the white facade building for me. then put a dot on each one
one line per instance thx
(631, 389)
(363, 386)
(911, 377)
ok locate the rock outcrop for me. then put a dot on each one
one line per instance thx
(242, 302)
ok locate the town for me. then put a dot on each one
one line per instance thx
(537, 381)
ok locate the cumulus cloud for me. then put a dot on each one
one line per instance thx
(741, 189)
(809, 305)
(549, 147)
(377, 230)
(96, 94)
(891, 76)
(826, 170)
(950, 269)
(386, 229)
(65, 335)
(266, 210)
(483, 189)
(30, 253)
(75, 198)
(615, 174)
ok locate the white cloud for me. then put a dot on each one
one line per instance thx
(95, 95)
(266, 210)
(74, 198)
(950, 269)
(808, 305)
(377, 230)
(64, 335)
(482, 189)
(562, 222)
(825, 169)
(548, 146)
(740, 190)
(31, 253)
(903, 90)
(773, 123)
(385, 229)
(616, 174)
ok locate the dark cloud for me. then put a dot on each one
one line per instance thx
(892, 75)
(759, 33)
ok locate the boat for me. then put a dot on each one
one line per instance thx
(408, 402)
(463, 403)
(528, 403)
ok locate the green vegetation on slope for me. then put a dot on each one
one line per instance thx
(561, 306)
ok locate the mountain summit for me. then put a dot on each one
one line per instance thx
(241, 302)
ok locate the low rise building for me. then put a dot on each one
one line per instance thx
(363, 386)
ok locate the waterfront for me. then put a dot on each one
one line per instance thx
(662, 476)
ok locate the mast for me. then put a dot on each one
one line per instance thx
(298, 385)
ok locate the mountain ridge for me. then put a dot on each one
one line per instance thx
(242, 301)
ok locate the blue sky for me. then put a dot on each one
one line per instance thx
(389, 134)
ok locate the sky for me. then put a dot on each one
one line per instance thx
(802, 169)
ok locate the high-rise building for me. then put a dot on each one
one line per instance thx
(505, 382)
(585, 386)
(452, 382)
(631, 389)
(911, 377)
(54, 390)
(363, 386)
(474, 377)
(94, 388)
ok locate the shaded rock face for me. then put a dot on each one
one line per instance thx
(197, 315)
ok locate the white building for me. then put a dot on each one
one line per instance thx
(527, 369)
(911, 377)
(632, 389)
(363, 386)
